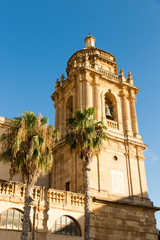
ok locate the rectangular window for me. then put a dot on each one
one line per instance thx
(67, 186)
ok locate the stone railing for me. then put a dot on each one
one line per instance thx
(11, 190)
(106, 55)
(108, 74)
(77, 200)
(56, 196)
(18, 189)
(111, 124)
(6, 188)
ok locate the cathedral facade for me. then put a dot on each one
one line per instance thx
(120, 207)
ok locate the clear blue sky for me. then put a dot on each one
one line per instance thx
(38, 37)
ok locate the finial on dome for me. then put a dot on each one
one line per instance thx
(121, 72)
(62, 77)
(130, 79)
(90, 41)
(129, 75)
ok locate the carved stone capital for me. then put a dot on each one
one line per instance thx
(124, 93)
(96, 80)
(80, 77)
(96, 83)
(133, 98)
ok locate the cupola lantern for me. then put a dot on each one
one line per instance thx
(90, 41)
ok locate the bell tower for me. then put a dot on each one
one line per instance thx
(118, 172)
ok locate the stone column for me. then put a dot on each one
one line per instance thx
(80, 92)
(75, 95)
(88, 90)
(74, 100)
(87, 93)
(87, 60)
(126, 110)
(97, 99)
(139, 171)
(96, 63)
(58, 117)
(102, 106)
(133, 113)
(64, 117)
(61, 119)
(43, 207)
(56, 109)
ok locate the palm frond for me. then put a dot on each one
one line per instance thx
(44, 120)
(28, 145)
(84, 133)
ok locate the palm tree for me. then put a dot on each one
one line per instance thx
(85, 135)
(28, 147)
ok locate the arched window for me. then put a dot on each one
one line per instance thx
(11, 219)
(66, 226)
(69, 107)
(110, 106)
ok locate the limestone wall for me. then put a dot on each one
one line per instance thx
(47, 206)
(113, 171)
(124, 219)
(115, 221)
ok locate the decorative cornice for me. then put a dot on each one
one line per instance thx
(102, 73)
(143, 203)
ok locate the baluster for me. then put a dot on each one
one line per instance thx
(48, 196)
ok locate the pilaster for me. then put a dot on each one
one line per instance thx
(126, 111)
(88, 90)
(80, 91)
(133, 113)
(97, 99)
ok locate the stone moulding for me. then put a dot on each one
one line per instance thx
(14, 190)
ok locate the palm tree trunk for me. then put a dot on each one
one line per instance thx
(87, 199)
(27, 209)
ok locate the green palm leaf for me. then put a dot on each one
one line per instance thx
(85, 135)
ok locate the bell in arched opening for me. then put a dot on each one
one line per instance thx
(108, 112)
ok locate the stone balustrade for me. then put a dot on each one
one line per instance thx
(77, 200)
(111, 124)
(13, 190)
(56, 196)
(108, 74)
(6, 188)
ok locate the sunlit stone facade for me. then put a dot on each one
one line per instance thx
(93, 81)
(120, 207)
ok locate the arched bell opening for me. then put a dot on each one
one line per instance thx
(110, 107)
(69, 107)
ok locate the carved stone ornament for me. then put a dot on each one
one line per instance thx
(57, 82)
(62, 77)
(124, 93)
(130, 76)
(121, 72)
(133, 97)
